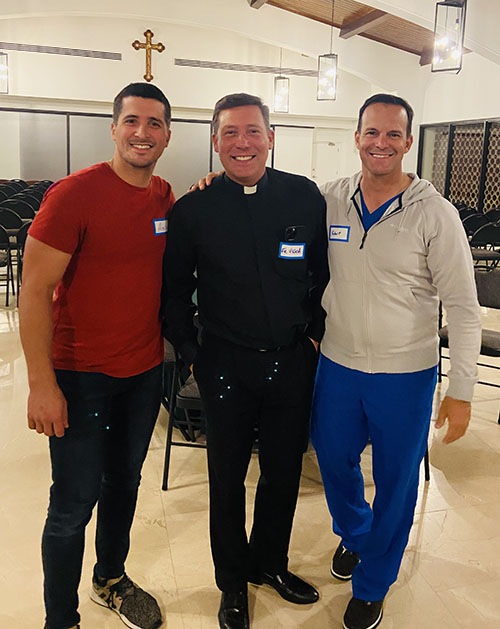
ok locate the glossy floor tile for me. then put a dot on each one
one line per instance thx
(450, 576)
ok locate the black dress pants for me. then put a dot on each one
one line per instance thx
(242, 389)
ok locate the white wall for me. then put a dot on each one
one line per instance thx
(10, 154)
(472, 94)
(46, 75)
(230, 31)
(77, 79)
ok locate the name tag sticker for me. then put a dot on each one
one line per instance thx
(339, 232)
(160, 225)
(292, 250)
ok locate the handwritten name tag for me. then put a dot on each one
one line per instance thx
(339, 232)
(295, 250)
(160, 226)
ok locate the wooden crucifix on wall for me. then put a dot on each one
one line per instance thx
(148, 47)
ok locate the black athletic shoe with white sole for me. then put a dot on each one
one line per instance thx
(343, 563)
(363, 614)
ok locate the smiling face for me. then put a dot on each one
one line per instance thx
(382, 141)
(243, 142)
(140, 135)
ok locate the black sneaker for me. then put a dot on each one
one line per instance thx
(136, 608)
(343, 563)
(363, 614)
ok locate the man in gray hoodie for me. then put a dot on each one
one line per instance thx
(396, 248)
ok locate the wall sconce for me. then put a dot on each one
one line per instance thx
(4, 73)
(449, 29)
(281, 91)
(327, 70)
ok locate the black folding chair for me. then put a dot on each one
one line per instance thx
(484, 244)
(21, 206)
(185, 411)
(493, 215)
(12, 223)
(473, 222)
(464, 212)
(6, 278)
(21, 236)
(32, 196)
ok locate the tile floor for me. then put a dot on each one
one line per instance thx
(450, 575)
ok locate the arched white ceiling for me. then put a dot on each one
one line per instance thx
(369, 60)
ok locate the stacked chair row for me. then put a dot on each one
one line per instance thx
(23, 199)
(11, 256)
(483, 233)
(19, 202)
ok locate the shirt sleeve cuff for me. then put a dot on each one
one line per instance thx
(461, 388)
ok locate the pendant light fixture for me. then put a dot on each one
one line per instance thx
(449, 29)
(281, 90)
(327, 70)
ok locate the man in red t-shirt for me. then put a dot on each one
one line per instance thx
(90, 329)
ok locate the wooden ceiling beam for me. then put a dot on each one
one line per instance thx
(426, 56)
(349, 29)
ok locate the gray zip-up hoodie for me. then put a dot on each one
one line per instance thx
(385, 285)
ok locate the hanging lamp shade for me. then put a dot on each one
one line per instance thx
(449, 29)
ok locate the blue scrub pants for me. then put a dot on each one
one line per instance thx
(394, 411)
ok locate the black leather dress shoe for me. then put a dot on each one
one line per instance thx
(290, 587)
(233, 611)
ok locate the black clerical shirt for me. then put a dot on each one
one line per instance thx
(257, 257)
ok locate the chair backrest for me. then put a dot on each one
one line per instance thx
(488, 288)
(20, 184)
(464, 212)
(8, 190)
(20, 206)
(44, 184)
(31, 199)
(473, 222)
(493, 215)
(487, 235)
(34, 193)
(10, 220)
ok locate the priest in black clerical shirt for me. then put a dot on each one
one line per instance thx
(254, 247)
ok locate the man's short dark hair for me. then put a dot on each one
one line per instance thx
(143, 90)
(238, 100)
(387, 99)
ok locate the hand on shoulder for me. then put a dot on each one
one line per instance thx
(205, 181)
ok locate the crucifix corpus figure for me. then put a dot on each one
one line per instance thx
(148, 46)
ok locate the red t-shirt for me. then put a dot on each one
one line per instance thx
(107, 305)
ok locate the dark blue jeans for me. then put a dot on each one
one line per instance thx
(98, 460)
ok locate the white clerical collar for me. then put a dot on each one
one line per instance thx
(248, 189)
